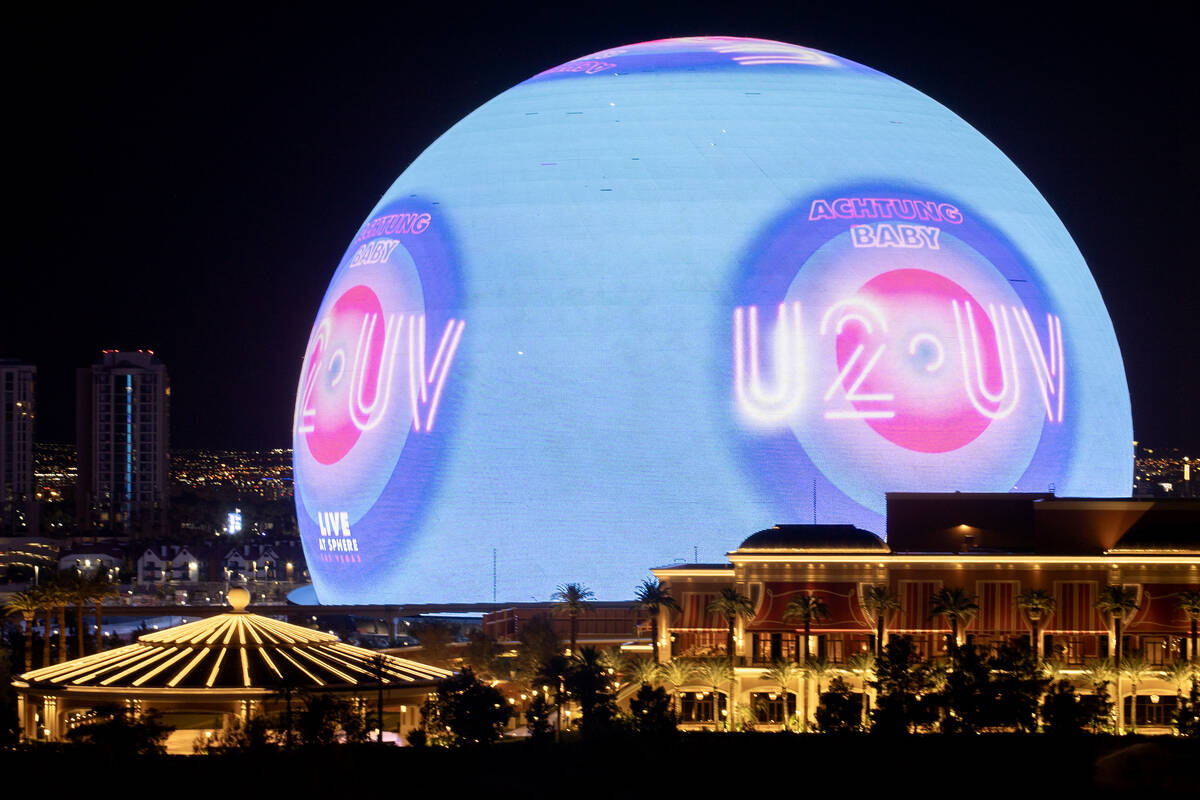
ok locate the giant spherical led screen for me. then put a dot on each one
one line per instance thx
(654, 299)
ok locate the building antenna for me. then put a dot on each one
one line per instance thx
(493, 574)
(695, 554)
(814, 501)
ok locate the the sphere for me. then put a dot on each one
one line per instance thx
(664, 295)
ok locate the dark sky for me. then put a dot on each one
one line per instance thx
(186, 180)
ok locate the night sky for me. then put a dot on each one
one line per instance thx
(187, 180)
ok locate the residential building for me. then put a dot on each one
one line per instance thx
(18, 506)
(122, 414)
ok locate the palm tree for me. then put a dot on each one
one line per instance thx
(1137, 669)
(1189, 603)
(1036, 605)
(642, 671)
(44, 595)
(677, 672)
(1100, 672)
(713, 672)
(653, 597)
(62, 597)
(102, 589)
(819, 669)
(863, 665)
(1117, 602)
(807, 609)
(26, 604)
(782, 672)
(879, 601)
(572, 599)
(1180, 675)
(732, 605)
(78, 590)
(956, 606)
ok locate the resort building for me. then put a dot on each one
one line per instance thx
(992, 546)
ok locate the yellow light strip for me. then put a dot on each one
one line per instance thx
(330, 652)
(212, 676)
(291, 634)
(183, 651)
(190, 666)
(141, 652)
(241, 635)
(61, 672)
(142, 664)
(249, 626)
(230, 629)
(263, 652)
(245, 668)
(296, 664)
(324, 666)
(217, 629)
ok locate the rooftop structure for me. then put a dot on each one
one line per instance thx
(232, 664)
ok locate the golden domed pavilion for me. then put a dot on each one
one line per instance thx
(202, 675)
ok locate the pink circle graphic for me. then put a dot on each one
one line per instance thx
(900, 359)
(343, 369)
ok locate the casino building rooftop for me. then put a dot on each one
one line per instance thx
(217, 669)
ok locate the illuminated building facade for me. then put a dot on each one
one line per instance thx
(994, 547)
(703, 282)
(18, 507)
(121, 420)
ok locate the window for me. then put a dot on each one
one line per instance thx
(772, 707)
(700, 707)
(1154, 650)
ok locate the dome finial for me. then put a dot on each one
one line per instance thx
(238, 599)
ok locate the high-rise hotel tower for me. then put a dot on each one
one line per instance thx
(121, 417)
(17, 505)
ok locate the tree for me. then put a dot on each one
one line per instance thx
(78, 590)
(1062, 712)
(435, 639)
(643, 671)
(1181, 675)
(677, 672)
(1189, 604)
(957, 607)
(27, 605)
(473, 713)
(483, 655)
(117, 731)
(902, 681)
(879, 601)
(806, 609)
(1137, 670)
(863, 665)
(572, 600)
(732, 605)
(102, 589)
(1018, 683)
(964, 700)
(588, 678)
(837, 710)
(1036, 605)
(538, 642)
(1117, 603)
(713, 672)
(1100, 674)
(651, 712)
(653, 598)
(782, 672)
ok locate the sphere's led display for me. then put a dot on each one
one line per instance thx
(661, 296)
